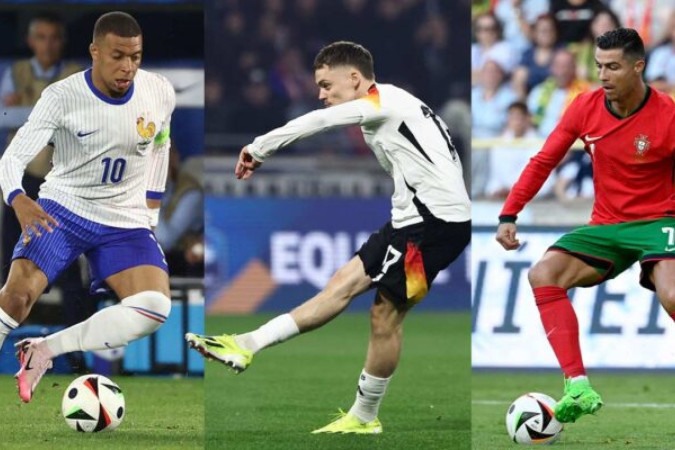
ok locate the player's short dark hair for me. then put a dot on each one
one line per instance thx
(118, 23)
(519, 106)
(345, 53)
(627, 39)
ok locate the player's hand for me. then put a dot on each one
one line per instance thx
(506, 235)
(246, 165)
(33, 219)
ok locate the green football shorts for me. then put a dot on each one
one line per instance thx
(611, 249)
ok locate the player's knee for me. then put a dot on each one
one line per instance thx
(17, 302)
(381, 328)
(154, 305)
(384, 323)
(540, 275)
(667, 298)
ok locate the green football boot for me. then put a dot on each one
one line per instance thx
(221, 348)
(579, 399)
(348, 424)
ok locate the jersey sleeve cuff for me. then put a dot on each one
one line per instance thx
(154, 195)
(507, 219)
(255, 153)
(12, 195)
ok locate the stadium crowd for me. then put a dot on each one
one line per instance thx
(260, 56)
(539, 54)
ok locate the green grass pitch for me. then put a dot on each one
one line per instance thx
(638, 410)
(295, 387)
(162, 413)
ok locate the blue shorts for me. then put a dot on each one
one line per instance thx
(109, 250)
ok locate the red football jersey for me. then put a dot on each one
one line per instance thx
(633, 158)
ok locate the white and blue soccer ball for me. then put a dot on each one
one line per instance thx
(530, 420)
(93, 403)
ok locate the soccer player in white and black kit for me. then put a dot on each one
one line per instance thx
(109, 126)
(430, 224)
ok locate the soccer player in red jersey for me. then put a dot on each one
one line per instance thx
(627, 129)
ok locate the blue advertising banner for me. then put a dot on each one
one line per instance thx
(271, 254)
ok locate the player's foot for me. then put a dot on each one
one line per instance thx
(347, 423)
(222, 348)
(579, 399)
(35, 361)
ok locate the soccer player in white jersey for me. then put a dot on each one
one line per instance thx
(109, 126)
(430, 223)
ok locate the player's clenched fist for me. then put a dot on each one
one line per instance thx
(506, 235)
(32, 217)
(246, 165)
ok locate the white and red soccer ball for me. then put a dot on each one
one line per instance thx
(530, 420)
(93, 403)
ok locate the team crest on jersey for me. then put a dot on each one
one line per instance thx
(641, 144)
(146, 132)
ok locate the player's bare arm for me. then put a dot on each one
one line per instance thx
(246, 165)
(31, 216)
(506, 236)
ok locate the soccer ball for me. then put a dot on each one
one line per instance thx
(93, 403)
(530, 420)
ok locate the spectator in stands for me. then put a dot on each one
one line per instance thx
(290, 80)
(548, 100)
(508, 158)
(660, 72)
(489, 45)
(535, 64)
(574, 180)
(432, 48)
(603, 21)
(181, 222)
(490, 99)
(574, 17)
(518, 17)
(259, 109)
(23, 82)
(648, 17)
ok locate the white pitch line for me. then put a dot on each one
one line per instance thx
(611, 405)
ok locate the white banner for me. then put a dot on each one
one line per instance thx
(188, 83)
(621, 324)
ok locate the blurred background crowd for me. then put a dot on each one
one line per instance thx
(529, 59)
(260, 56)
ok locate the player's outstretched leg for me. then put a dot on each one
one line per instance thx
(578, 400)
(347, 423)
(237, 351)
(35, 360)
(223, 348)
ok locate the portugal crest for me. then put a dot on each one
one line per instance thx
(641, 144)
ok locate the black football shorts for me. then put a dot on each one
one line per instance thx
(404, 261)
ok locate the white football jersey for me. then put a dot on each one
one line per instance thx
(411, 143)
(109, 153)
